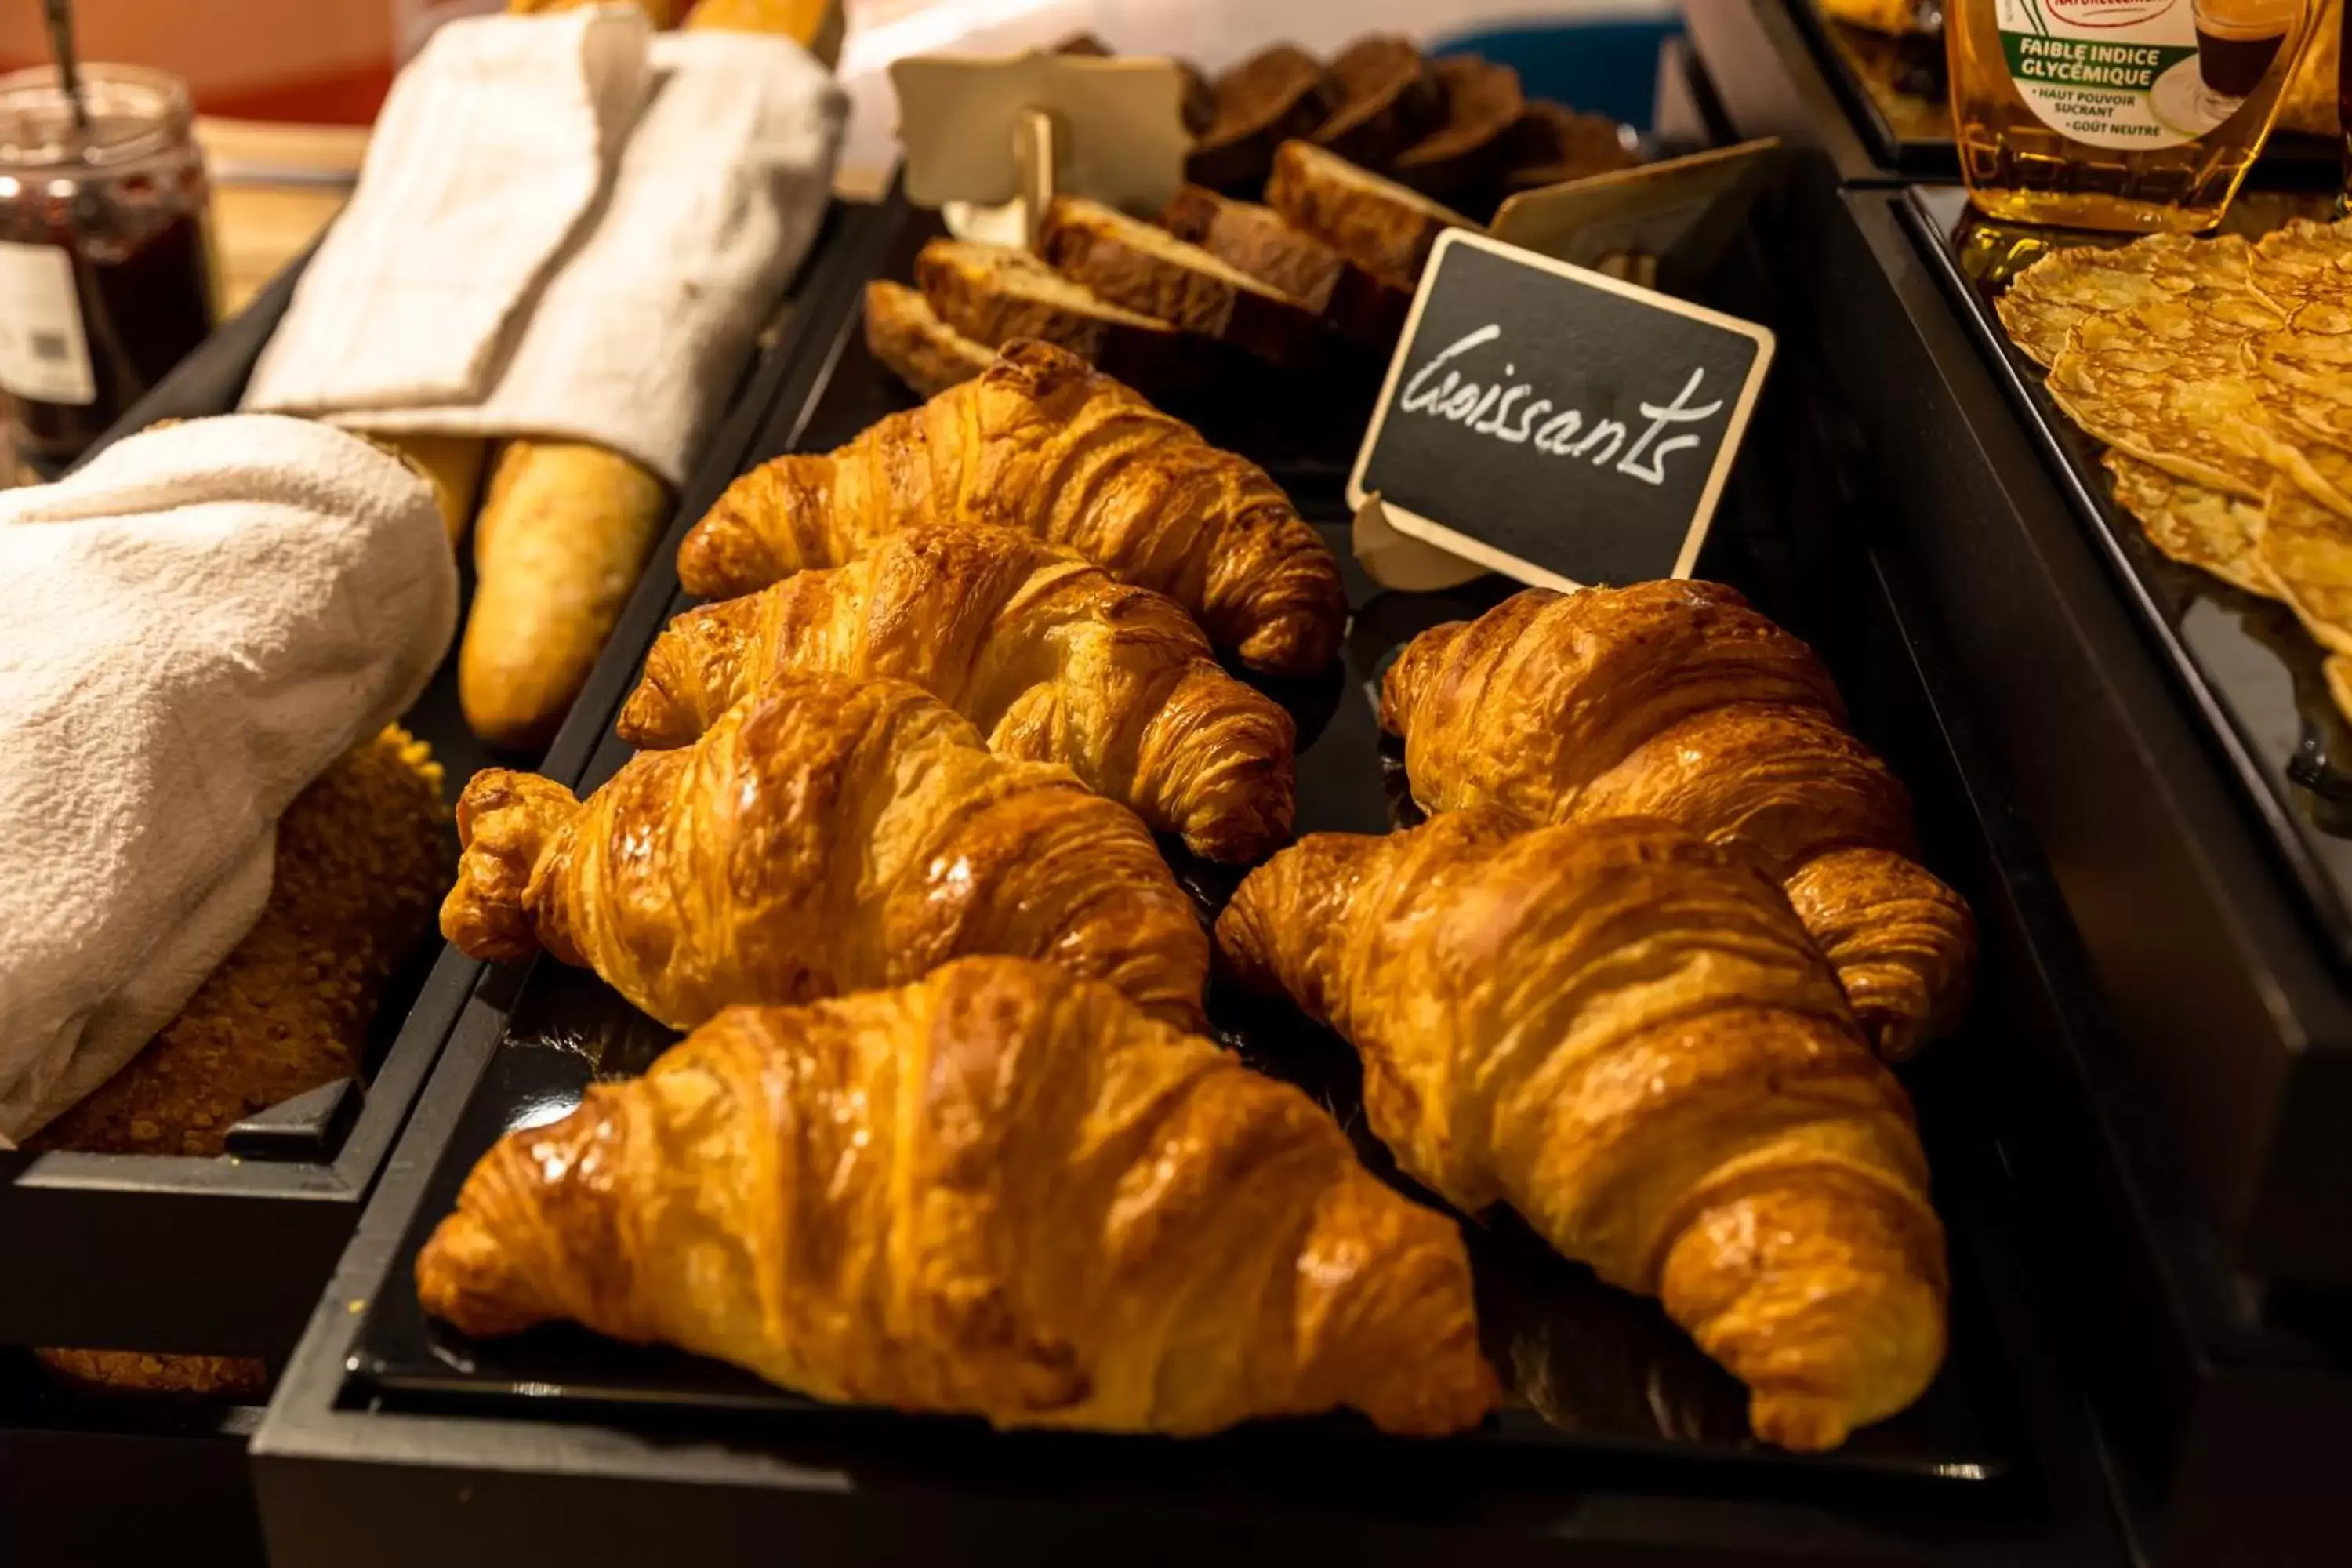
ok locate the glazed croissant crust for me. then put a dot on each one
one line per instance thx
(1677, 699)
(1054, 660)
(1624, 1033)
(998, 1190)
(1043, 442)
(828, 834)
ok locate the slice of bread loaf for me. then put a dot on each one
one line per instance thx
(1351, 302)
(1275, 94)
(1550, 143)
(993, 293)
(1133, 264)
(902, 331)
(1378, 225)
(1483, 103)
(1389, 100)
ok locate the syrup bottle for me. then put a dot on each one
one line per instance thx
(2121, 114)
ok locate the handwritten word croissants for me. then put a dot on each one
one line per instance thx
(1624, 1033)
(1677, 699)
(999, 1190)
(826, 835)
(1051, 658)
(1043, 442)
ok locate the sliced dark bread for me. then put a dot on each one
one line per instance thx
(1351, 302)
(1133, 264)
(1389, 100)
(1275, 94)
(1482, 104)
(902, 331)
(1381, 226)
(1550, 143)
(995, 293)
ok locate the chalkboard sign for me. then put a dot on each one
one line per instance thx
(1556, 423)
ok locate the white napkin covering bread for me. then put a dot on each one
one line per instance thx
(192, 628)
(642, 323)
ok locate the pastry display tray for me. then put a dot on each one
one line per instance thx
(2244, 665)
(225, 1256)
(1622, 1438)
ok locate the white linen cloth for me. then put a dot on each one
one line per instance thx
(641, 324)
(191, 628)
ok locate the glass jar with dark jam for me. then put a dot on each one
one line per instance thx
(105, 268)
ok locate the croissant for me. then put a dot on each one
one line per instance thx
(998, 1190)
(1677, 699)
(1043, 442)
(825, 835)
(1622, 1032)
(1052, 658)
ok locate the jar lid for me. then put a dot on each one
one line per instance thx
(133, 112)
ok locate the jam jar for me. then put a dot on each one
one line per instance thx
(105, 260)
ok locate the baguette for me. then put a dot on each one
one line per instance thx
(1351, 302)
(1275, 94)
(1482, 104)
(452, 463)
(563, 535)
(1145, 268)
(1383, 228)
(993, 294)
(1389, 100)
(923, 351)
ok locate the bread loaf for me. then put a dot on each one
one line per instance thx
(1144, 268)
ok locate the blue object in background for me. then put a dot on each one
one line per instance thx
(1604, 68)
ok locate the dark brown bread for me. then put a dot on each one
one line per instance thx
(903, 333)
(1275, 94)
(1378, 225)
(1389, 100)
(993, 294)
(1483, 105)
(1550, 143)
(1351, 302)
(1144, 268)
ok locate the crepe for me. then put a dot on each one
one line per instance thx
(2306, 550)
(2207, 529)
(2055, 295)
(2301, 262)
(2166, 385)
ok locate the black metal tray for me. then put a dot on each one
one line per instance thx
(225, 1256)
(385, 1419)
(2244, 664)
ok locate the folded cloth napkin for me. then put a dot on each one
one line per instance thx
(192, 628)
(490, 151)
(644, 321)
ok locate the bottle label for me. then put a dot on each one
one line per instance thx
(44, 358)
(2142, 74)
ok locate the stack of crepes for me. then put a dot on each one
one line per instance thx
(2219, 374)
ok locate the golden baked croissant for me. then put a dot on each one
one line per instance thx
(999, 1190)
(1622, 1032)
(1677, 699)
(827, 834)
(1052, 658)
(1043, 442)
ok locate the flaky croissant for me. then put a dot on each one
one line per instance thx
(1677, 699)
(1043, 442)
(1051, 658)
(827, 834)
(1624, 1033)
(999, 1190)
